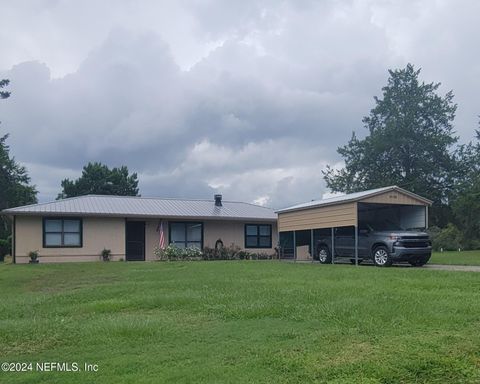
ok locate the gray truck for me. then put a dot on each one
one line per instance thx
(383, 245)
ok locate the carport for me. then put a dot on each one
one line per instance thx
(300, 226)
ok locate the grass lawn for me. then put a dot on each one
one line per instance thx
(238, 322)
(456, 258)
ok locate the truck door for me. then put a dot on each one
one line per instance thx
(345, 241)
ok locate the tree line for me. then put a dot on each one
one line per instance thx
(409, 141)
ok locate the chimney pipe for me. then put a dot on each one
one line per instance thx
(218, 200)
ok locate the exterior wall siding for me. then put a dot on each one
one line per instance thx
(98, 233)
(339, 215)
(393, 197)
(233, 232)
(102, 232)
(152, 238)
(230, 232)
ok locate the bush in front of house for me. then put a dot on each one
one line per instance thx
(232, 252)
(33, 255)
(106, 254)
(173, 253)
(5, 248)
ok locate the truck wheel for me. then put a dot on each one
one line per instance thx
(381, 257)
(324, 255)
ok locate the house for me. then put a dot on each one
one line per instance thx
(79, 228)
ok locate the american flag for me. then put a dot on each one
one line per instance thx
(161, 239)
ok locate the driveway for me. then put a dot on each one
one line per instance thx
(439, 267)
(464, 268)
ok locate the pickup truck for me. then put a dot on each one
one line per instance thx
(384, 245)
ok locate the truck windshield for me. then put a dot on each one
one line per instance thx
(381, 226)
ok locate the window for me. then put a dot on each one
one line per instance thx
(186, 235)
(64, 233)
(258, 236)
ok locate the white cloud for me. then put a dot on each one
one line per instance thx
(249, 99)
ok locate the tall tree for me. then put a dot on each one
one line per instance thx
(98, 179)
(466, 201)
(409, 142)
(15, 188)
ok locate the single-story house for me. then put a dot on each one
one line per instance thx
(79, 228)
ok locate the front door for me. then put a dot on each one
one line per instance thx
(135, 241)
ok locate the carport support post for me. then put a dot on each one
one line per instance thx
(332, 251)
(356, 245)
(426, 217)
(312, 252)
(294, 247)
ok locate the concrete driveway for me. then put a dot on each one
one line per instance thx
(464, 268)
(439, 267)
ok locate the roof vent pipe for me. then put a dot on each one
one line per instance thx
(218, 200)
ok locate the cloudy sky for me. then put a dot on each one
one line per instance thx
(247, 98)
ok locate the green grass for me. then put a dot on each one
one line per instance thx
(241, 322)
(456, 258)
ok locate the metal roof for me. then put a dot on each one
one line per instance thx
(130, 206)
(357, 196)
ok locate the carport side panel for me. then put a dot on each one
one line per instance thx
(393, 197)
(341, 215)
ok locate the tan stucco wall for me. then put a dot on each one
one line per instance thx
(98, 233)
(230, 232)
(152, 237)
(233, 232)
(339, 215)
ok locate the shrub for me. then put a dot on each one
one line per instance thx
(33, 255)
(232, 252)
(448, 238)
(8, 259)
(209, 253)
(173, 253)
(106, 254)
(4, 248)
(191, 254)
